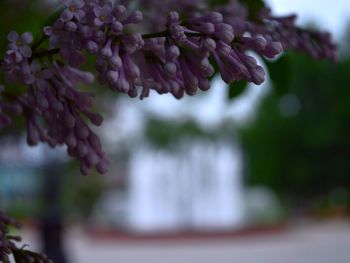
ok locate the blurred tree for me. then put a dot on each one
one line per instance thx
(299, 143)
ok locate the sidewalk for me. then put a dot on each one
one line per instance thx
(310, 243)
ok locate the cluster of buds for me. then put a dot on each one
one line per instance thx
(9, 247)
(7, 107)
(179, 59)
(180, 62)
(52, 97)
(7, 244)
(176, 60)
(54, 108)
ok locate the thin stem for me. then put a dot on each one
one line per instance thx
(193, 34)
(39, 42)
(164, 33)
(45, 53)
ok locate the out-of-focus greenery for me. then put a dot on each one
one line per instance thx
(299, 143)
(165, 134)
(23, 16)
(79, 195)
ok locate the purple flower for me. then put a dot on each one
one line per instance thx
(71, 26)
(34, 74)
(73, 55)
(103, 15)
(11, 59)
(4, 120)
(74, 9)
(118, 11)
(132, 43)
(20, 43)
(54, 32)
(135, 18)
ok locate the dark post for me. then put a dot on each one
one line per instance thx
(52, 223)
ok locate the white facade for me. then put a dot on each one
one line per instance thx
(199, 186)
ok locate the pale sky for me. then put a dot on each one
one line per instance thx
(331, 15)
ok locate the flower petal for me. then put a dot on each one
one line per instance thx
(79, 3)
(48, 30)
(26, 69)
(106, 10)
(35, 67)
(47, 73)
(12, 46)
(67, 15)
(67, 3)
(42, 84)
(54, 41)
(80, 15)
(12, 36)
(97, 10)
(26, 51)
(98, 22)
(27, 37)
(28, 79)
(59, 24)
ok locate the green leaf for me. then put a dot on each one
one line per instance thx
(254, 7)
(281, 74)
(236, 89)
(213, 3)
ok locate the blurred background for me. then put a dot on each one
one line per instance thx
(235, 174)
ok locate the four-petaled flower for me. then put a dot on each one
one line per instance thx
(34, 74)
(103, 15)
(20, 43)
(54, 32)
(74, 9)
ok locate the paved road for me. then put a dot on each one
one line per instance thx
(310, 243)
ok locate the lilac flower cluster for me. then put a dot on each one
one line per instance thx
(176, 61)
(54, 108)
(236, 13)
(318, 45)
(179, 59)
(8, 244)
(282, 29)
(179, 63)
(5, 107)
(52, 97)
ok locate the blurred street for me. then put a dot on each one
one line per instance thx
(305, 243)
